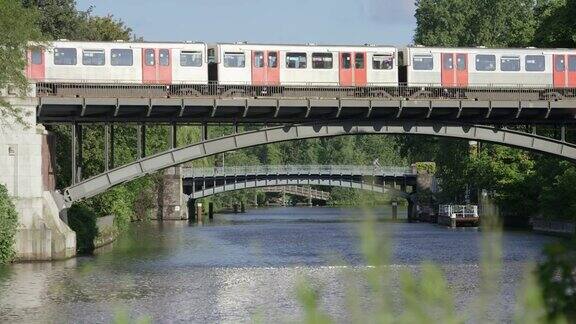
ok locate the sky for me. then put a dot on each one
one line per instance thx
(383, 22)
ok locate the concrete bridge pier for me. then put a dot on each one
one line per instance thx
(171, 205)
(27, 170)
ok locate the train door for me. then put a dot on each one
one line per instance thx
(454, 70)
(560, 71)
(36, 68)
(265, 68)
(157, 65)
(353, 69)
(273, 68)
(572, 71)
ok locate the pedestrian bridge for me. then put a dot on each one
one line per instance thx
(203, 182)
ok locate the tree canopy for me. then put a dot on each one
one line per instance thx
(17, 29)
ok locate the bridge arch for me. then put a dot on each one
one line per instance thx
(323, 183)
(154, 163)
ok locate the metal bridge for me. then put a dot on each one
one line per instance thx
(213, 103)
(203, 182)
(177, 156)
(511, 116)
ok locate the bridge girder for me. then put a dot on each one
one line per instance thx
(173, 157)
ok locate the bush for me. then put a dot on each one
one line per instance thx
(82, 220)
(8, 226)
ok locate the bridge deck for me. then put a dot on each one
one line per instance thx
(249, 104)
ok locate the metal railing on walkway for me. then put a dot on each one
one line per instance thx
(362, 170)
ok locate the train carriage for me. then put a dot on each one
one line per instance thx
(488, 67)
(304, 65)
(119, 62)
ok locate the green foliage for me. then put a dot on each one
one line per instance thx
(82, 220)
(425, 167)
(556, 275)
(8, 226)
(18, 29)
(475, 22)
(557, 27)
(60, 19)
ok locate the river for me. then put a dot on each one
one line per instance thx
(244, 267)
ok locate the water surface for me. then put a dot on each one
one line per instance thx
(244, 266)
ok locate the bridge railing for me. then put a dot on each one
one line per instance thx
(191, 172)
(129, 89)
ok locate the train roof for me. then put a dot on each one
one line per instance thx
(303, 44)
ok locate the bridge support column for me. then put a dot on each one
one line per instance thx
(210, 210)
(26, 162)
(171, 204)
(76, 151)
(141, 140)
(191, 205)
(412, 211)
(394, 210)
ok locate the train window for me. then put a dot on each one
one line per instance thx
(448, 61)
(191, 58)
(535, 63)
(272, 59)
(36, 56)
(65, 56)
(461, 62)
(559, 63)
(93, 57)
(121, 57)
(510, 63)
(234, 60)
(150, 57)
(485, 62)
(322, 60)
(572, 63)
(382, 61)
(346, 61)
(296, 60)
(359, 61)
(423, 62)
(164, 57)
(259, 59)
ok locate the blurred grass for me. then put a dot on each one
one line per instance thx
(426, 298)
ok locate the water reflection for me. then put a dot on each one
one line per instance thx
(242, 265)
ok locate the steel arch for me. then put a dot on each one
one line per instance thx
(151, 164)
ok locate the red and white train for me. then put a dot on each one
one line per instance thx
(300, 65)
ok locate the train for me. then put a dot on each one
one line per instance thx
(305, 65)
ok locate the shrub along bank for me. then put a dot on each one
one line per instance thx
(8, 226)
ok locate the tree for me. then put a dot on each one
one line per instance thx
(8, 226)
(557, 27)
(17, 30)
(478, 22)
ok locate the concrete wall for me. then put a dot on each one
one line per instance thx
(26, 171)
